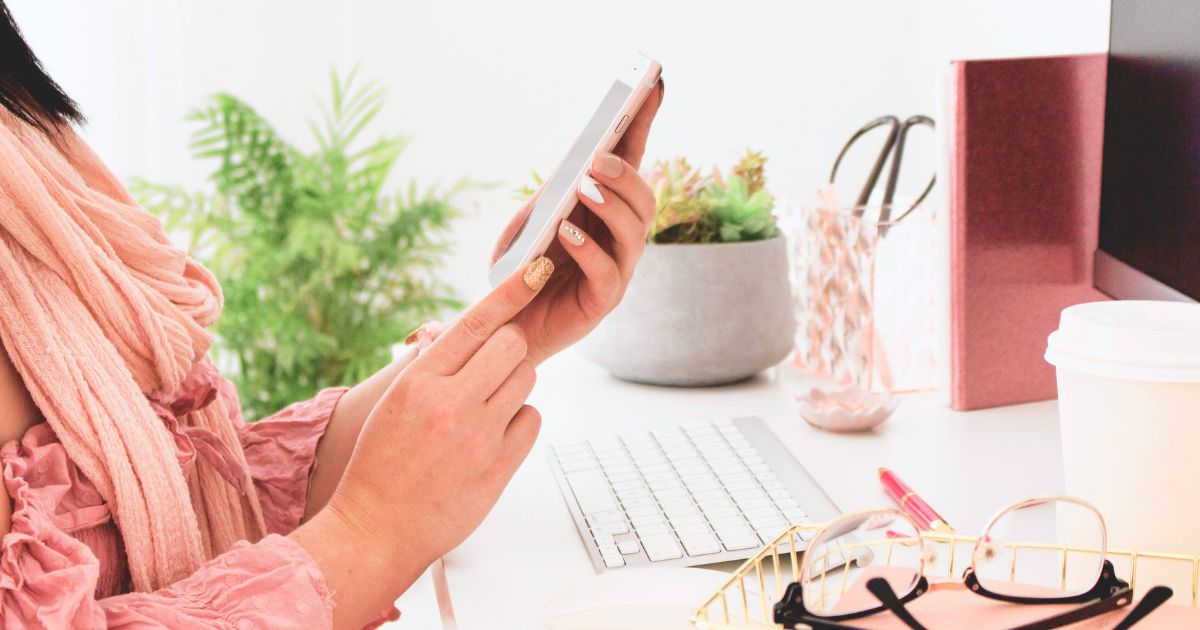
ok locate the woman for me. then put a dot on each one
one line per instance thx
(134, 496)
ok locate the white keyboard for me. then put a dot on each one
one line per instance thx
(686, 495)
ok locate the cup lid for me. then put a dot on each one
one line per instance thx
(1131, 339)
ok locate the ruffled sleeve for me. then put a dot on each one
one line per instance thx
(281, 452)
(273, 583)
(49, 578)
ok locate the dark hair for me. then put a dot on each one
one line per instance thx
(25, 88)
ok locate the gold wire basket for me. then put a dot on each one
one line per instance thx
(747, 598)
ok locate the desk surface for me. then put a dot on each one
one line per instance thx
(967, 465)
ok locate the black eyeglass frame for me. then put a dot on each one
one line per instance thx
(1108, 594)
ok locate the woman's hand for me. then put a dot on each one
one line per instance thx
(434, 455)
(598, 247)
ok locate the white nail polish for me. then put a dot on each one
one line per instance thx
(588, 187)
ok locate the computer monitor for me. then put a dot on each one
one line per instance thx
(1150, 192)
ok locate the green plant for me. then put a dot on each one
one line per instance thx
(695, 208)
(321, 269)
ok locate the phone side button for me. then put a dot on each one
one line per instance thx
(621, 125)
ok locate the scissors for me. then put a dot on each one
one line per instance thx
(893, 147)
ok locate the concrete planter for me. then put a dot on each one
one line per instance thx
(703, 314)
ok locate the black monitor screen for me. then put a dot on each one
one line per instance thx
(1150, 196)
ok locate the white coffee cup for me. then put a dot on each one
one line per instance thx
(1129, 408)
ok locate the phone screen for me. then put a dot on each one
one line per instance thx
(562, 182)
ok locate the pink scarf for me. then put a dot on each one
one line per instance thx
(105, 321)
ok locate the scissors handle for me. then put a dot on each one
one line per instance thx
(889, 191)
(873, 177)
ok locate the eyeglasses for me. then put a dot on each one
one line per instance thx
(874, 561)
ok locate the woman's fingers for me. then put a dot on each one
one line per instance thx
(495, 361)
(514, 225)
(474, 327)
(518, 440)
(633, 144)
(623, 178)
(512, 393)
(601, 271)
(627, 229)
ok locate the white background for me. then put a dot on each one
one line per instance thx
(492, 89)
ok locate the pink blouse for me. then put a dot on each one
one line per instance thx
(63, 566)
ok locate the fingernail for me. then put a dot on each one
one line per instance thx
(568, 229)
(608, 165)
(413, 336)
(537, 273)
(588, 187)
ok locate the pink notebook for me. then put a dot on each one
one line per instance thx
(1024, 217)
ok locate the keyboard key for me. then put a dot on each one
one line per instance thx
(576, 465)
(795, 516)
(767, 523)
(639, 502)
(771, 533)
(627, 547)
(619, 477)
(600, 518)
(653, 529)
(741, 542)
(682, 501)
(680, 511)
(611, 528)
(613, 561)
(642, 510)
(693, 530)
(700, 544)
(616, 469)
(640, 522)
(735, 533)
(591, 491)
(670, 493)
(730, 471)
(666, 484)
(731, 520)
(703, 496)
(570, 448)
(714, 513)
(683, 520)
(779, 495)
(629, 496)
(605, 540)
(661, 547)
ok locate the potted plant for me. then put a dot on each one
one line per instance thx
(710, 301)
(323, 266)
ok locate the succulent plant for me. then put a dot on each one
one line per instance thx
(696, 208)
(742, 215)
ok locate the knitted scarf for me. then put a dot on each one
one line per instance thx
(105, 320)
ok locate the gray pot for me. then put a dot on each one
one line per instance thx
(703, 314)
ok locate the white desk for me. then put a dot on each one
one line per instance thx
(967, 465)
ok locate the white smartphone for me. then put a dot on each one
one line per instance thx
(629, 90)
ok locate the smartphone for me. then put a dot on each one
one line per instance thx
(629, 90)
